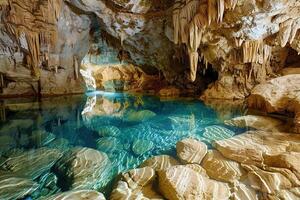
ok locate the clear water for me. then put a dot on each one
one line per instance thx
(128, 128)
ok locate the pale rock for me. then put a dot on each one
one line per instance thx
(191, 150)
(180, 182)
(83, 168)
(220, 168)
(140, 147)
(161, 162)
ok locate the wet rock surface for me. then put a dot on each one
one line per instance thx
(77, 195)
(83, 168)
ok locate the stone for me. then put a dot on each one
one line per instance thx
(288, 160)
(180, 182)
(278, 95)
(83, 168)
(136, 184)
(109, 144)
(222, 169)
(191, 151)
(263, 123)
(243, 192)
(13, 187)
(265, 181)
(77, 195)
(32, 163)
(249, 147)
(161, 162)
(140, 147)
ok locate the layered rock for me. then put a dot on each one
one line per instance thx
(180, 182)
(191, 151)
(83, 168)
(160, 162)
(279, 95)
(77, 195)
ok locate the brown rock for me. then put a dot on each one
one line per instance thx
(170, 91)
(180, 182)
(191, 151)
(160, 162)
(278, 95)
(220, 168)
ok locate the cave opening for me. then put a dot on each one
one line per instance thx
(292, 59)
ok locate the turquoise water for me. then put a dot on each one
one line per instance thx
(127, 128)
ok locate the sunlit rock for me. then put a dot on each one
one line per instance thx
(278, 95)
(180, 182)
(220, 168)
(160, 162)
(77, 195)
(140, 147)
(32, 163)
(136, 184)
(83, 168)
(191, 151)
(243, 192)
(250, 147)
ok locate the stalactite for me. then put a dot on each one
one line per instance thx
(285, 32)
(190, 18)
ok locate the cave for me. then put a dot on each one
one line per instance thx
(149, 99)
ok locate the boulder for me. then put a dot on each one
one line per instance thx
(221, 168)
(160, 162)
(180, 182)
(278, 95)
(136, 184)
(215, 132)
(32, 163)
(77, 195)
(250, 147)
(13, 187)
(191, 150)
(139, 116)
(83, 168)
(243, 192)
(107, 131)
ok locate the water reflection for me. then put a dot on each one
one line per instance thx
(123, 129)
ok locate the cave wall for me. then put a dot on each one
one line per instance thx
(246, 42)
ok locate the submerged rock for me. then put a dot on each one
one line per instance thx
(180, 182)
(13, 187)
(139, 147)
(77, 195)
(139, 116)
(83, 168)
(107, 131)
(109, 144)
(32, 163)
(191, 150)
(215, 132)
(257, 122)
(160, 162)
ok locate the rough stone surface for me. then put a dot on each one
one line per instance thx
(191, 151)
(220, 168)
(160, 162)
(180, 182)
(279, 95)
(83, 168)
